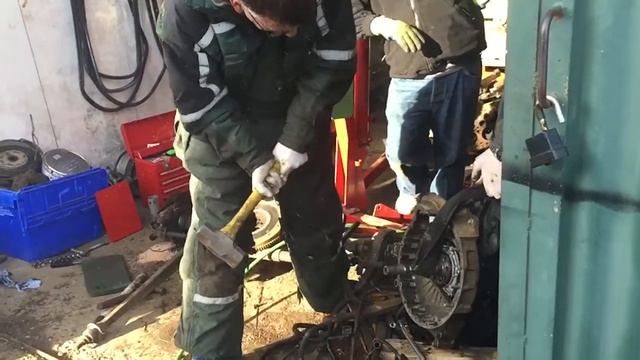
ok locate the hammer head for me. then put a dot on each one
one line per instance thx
(221, 245)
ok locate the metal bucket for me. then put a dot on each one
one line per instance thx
(58, 163)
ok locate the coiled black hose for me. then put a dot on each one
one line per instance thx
(88, 67)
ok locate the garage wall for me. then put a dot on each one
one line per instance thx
(39, 91)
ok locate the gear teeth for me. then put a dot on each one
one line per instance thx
(416, 290)
(266, 245)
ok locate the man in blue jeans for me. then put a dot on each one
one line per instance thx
(433, 50)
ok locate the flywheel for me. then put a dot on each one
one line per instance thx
(433, 301)
(268, 229)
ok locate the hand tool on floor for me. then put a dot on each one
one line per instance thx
(73, 257)
(95, 331)
(117, 299)
(222, 243)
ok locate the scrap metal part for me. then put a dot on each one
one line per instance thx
(431, 302)
(434, 266)
(438, 301)
(308, 337)
(268, 229)
(432, 271)
(492, 89)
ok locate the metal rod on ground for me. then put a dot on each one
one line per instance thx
(115, 300)
(262, 256)
(32, 349)
(279, 255)
(404, 328)
(94, 331)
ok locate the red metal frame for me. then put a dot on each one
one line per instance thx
(353, 136)
(375, 169)
(383, 211)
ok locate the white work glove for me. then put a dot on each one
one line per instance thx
(265, 180)
(289, 160)
(487, 169)
(408, 37)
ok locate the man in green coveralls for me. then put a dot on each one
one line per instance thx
(254, 82)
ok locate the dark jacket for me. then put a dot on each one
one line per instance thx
(453, 30)
(226, 75)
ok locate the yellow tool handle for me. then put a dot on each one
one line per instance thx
(232, 228)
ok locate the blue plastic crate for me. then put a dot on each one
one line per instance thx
(45, 220)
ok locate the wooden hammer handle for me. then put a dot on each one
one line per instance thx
(232, 228)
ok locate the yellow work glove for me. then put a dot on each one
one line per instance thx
(406, 36)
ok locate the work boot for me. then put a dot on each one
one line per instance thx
(405, 204)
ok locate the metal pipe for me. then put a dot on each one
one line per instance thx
(361, 91)
(404, 328)
(278, 255)
(542, 61)
(263, 255)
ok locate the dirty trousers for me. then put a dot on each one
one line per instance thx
(211, 325)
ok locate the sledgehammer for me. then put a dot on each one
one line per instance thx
(222, 243)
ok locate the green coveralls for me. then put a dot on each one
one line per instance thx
(238, 93)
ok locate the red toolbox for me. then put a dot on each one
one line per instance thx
(147, 141)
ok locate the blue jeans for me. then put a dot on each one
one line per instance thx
(446, 105)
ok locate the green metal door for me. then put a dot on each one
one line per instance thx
(570, 248)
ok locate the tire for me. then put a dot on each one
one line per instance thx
(18, 157)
